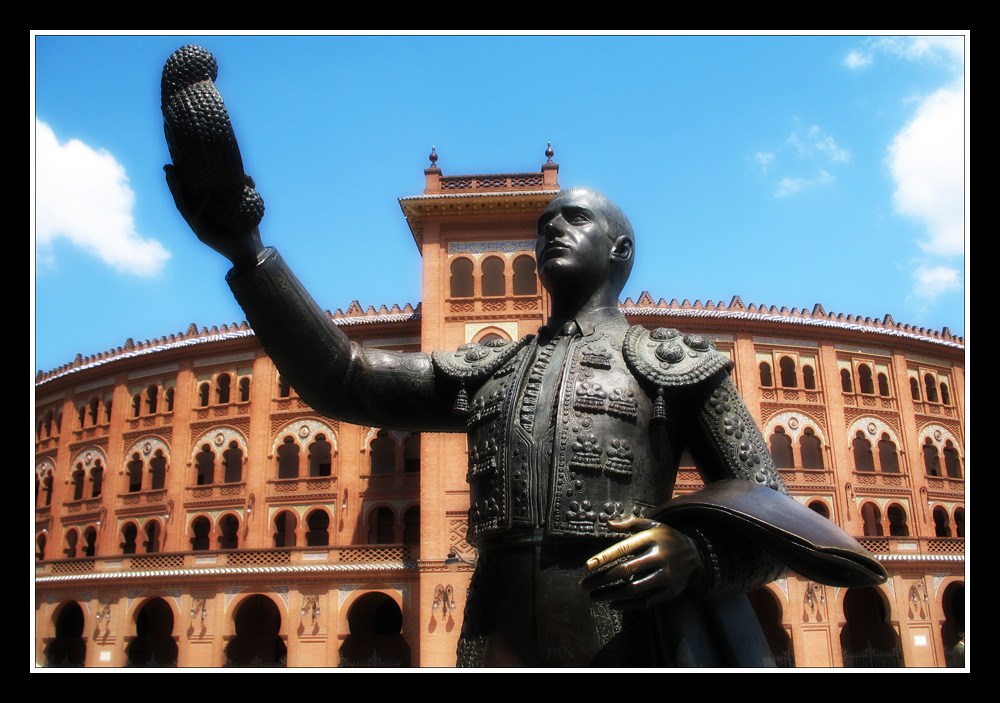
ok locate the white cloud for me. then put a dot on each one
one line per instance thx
(789, 186)
(926, 160)
(856, 60)
(764, 158)
(930, 282)
(935, 48)
(816, 140)
(83, 194)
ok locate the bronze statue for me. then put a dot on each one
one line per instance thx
(575, 436)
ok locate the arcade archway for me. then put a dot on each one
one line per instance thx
(257, 643)
(376, 624)
(867, 639)
(153, 644)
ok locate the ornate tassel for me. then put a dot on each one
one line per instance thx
(461, 406)
(659, 407)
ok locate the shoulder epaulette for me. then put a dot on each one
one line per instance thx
(667, 358)
(473, 363)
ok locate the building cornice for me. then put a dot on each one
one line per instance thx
(160, 574)
(644, 307)
(418, 207)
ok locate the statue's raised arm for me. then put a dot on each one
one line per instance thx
(220, 203)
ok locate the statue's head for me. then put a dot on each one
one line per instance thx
(583, 239)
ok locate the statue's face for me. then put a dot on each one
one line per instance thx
(573, 246)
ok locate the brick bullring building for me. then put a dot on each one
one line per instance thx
(191, 510)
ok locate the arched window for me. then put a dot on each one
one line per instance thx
(47, 488)
(887, 455)
(40, 554)
(244, 390)
(872, 518)
(288, 458)
(863, 458)
(71, 539)
(90, 542)
(203, 391)
(151, 396)
(931, 389)
(942, 526)
(808, 378)
(129, 533)
(461, 278)
(765, 374)
(883, 385)
(135, 474)
(318, 523)
(45, 428)
(201, 528)
(168, 399)
(411, 454)
(493, 276)
(945, 395)
(932, 463)
(865, 379)
(381, 526)
(320, 457)
(897, 521)
(284, 529)
(152, 542)
(222, 384)
(818, 506)
(915, 388)
(525, 280)
(232, 462)
(781, 449)
(94, 407)
(204, 464)
(812, 450)
(229, 532)
(951, 462)
(383, 453)
(97, 479)
(284, 389)
(960, 522)
(845, 381)
(78, 480)
(789, 379)
(158, 470)
(137, 405)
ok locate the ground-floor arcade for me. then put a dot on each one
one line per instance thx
(358, 620)
(914, 620)
(401, 618)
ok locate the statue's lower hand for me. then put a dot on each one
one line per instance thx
(241, 248)
(655, 564)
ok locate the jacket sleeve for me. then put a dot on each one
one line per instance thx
(744, 522)
(726, 444)
(332, 374)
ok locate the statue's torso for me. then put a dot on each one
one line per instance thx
(562, 440)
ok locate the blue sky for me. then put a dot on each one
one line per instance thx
(788, 170)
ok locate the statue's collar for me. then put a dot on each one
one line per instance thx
(586, 323)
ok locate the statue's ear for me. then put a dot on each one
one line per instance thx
(623, 249)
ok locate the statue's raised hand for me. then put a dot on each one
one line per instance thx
(656, 563)
(241, 247)
(210, 189)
